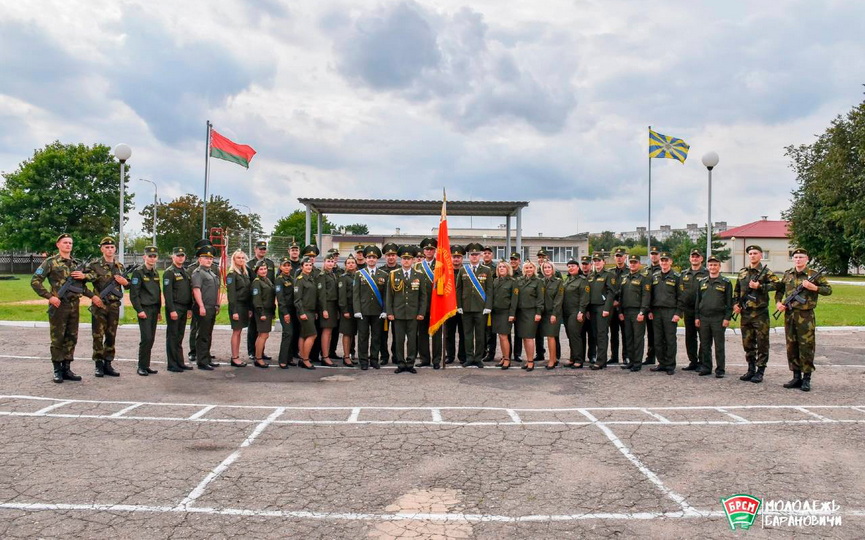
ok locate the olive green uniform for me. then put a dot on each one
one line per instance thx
(63, 320)
(635, 295)
(602, 292)
(429, 347)
(504, 304)
(306, 303)
(714, 306)
(345, 294)
(575, 300)
(177, 290)
(666, 303)
(366, 303)
(617, 327)
(553, 297)
(691, 282)
(263, 303)
(473, 303)
(755, 314)
(530, 302)
(237, 285)
(799, 320)
(104, 320)
(252, 327)
(144, 292)
(406, 298)
(650, 333)
(283, 288)
(207, 282)
(328, 300)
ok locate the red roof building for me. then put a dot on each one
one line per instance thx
(773, 236)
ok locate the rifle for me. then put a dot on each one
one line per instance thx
(72, 286)
(115, 288)
(752, 295)
(796, 295)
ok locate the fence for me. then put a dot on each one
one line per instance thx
(19, 264)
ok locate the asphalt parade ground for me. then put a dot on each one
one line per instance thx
(453, 453)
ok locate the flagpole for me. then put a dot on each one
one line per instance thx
(649, 225)
(206, 180)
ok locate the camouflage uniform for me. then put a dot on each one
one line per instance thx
(799, 321)
(104, 320)
(63, 320)
(755, 315)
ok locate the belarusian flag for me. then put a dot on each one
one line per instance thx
(443, 305)
(223, 148)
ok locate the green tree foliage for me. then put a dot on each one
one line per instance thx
(294, 225)
(827, 213)
(355, 228)
(178, 223)
(717, 244)
(70, 188)
(605, 241)
(679, 245)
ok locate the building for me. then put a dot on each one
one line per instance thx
(773, 236)
(691, 229)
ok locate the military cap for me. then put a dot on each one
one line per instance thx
(390, 248)
(634, 258)
(665, 255)
(799, 251)
(151, 250)
(284, 260)
(542, 253)
(654, 250)
(178, 251)
(596, 256)
(488, 248)
(311, 251)
(359, 247)
(261, 244)
(429, 242)
(294, 245)
(474, 247)
(259, 264)
(621, 252)
(696, 252)
(457, 249)
(585, 259)
(406, 251)
(334, 256)
(515, 256)
(572, 261)
(62, 236)
(753, 246)
(107, 241)
(201, 243)
(372, 250)
(205, 251)
(333, 251)
(713, 258)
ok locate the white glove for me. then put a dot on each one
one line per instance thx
(383, 316)
(358, 315)
(487, 311)
(460, 311)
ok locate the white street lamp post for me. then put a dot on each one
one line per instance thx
(710, 160)
(122, 152)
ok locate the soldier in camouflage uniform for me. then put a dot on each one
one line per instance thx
(106, 274)
(62, 312)
(755, 280)
(799, 321)
(713, 310)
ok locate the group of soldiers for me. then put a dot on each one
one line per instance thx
(367, 303)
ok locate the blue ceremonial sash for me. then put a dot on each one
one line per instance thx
(429, 271)
(475, 282)
(372, 285)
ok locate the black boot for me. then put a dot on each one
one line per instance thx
(750, 373)
(68, 374)
(806, 382)
(110, 371)
(692, 366)
(100, 368)
(58, 372)
(796, 381)
(758, 377)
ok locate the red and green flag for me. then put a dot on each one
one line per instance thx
(223, 148)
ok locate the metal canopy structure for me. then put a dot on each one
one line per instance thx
(404, 207)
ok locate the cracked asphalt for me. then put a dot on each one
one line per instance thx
(515, 459)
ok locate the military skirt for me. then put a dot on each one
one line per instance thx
(333, 315)
(242, 321)
(265, 326)
(347, 327)
(307, 327)
(550, 329)
(500, 324)
(526, 325)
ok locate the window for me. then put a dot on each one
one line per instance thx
(561, 254)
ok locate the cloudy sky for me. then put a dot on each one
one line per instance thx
(546, 102)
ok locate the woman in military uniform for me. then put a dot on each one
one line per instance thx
(284, 289)
(347, 322)
(305, 303)
(504, 310)
(237, 282)
(328, 307)
(263, 306)
(551, 319)
(529, 291)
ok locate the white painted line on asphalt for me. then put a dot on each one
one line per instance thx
(653, 478)
(514, 416)
(656, 416)
(121, 412)
(352, 418)
(202, 412)
(735, 417)
(46, 410)
(198, 491)
(436, 416)
(860, 409)
(815, 415)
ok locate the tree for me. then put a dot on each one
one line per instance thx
(679, 244)
(355, 228)
(603, 242)
(717, 244)
(294, 225)
(179, 221)
(62, 188)
(827, 212)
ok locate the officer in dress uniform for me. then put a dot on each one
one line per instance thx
(145, 294)
(635, 294)
(490, 336)
(516, 344)
(474, 302)
(454, 325)
(368, 299)
(177, 291)
(426, 268)
(602, 287)
(390, 251)
(406, 306)
(666, 311)
(260, 256)
(617, 329)
(575, 303)
(106, 274)
(284, 289)
(590, 346)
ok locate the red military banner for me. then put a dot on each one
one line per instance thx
(444, 296)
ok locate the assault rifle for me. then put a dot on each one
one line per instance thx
(796, 295)
(752, 294)
(72, 286)
(115, 288)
